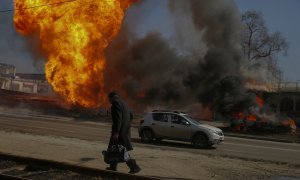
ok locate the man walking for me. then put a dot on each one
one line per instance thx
(120, 133)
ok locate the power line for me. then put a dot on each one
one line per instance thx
(37, 6)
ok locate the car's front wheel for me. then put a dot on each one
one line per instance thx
(200, 141)
(147, 136)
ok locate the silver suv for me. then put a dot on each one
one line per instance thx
(178, 126)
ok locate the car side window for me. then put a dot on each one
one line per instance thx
(175, 119)
(160, 117)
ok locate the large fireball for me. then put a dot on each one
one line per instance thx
(73, 35)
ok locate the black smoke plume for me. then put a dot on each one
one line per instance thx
(148, 69)
(152, 70)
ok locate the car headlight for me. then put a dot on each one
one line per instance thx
(213, 131)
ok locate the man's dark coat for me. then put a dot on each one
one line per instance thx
(121, 120)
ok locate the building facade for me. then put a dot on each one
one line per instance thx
(28, 83)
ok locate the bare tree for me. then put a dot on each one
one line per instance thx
(256, 41)
(261, 47)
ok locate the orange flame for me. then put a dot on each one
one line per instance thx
(237, 115)
(73, 34)
(260, 101)
(251, 117)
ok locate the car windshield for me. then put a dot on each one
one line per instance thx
(191, 119)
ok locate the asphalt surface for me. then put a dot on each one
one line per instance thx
(249, 149)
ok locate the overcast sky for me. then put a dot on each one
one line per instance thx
(280, 15)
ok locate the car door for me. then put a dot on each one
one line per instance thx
(160, 124)
(179, 128)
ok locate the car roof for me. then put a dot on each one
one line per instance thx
(169, 112)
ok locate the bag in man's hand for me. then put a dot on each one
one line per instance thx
(115, 154)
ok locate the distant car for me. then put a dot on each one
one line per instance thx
(178, 126)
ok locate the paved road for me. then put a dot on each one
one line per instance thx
(232, 147)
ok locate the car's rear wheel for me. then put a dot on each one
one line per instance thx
(200, 141)
(147, 136)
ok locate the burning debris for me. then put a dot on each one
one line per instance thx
(260, 117)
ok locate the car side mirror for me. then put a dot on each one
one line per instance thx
(187, 123)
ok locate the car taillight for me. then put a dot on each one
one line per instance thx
(142, 121)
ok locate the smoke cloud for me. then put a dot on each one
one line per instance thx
(148, 69)
(217, 77)
(153, 69)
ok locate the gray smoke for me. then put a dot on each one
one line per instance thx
(217, 77)
(152, 68)
(148, 69)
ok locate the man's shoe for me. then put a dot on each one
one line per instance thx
(135, 170)
(112, 167)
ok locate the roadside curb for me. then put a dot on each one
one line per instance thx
(258, 138)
